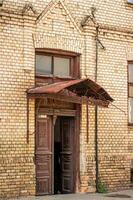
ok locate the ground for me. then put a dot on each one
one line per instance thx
(125, 195)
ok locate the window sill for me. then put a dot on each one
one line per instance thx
(129, 5)
(51, 76)
(130, 126)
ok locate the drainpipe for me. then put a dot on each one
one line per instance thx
(96, 107)
(96, 115)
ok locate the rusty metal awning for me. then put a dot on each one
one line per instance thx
(71, 90)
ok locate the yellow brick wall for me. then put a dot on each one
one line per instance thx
(16, 156)
(59, 27)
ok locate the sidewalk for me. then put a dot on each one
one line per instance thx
(125, 195)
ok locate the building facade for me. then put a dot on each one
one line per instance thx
(93, 37)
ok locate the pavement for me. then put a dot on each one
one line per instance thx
(125, 195)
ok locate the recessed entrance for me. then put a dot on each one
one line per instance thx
(55, 154)
(57, 157)
(63, 155)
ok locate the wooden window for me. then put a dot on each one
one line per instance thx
(55, 63)
(52, 65)
(62, 66)
(130, 93)
(130, 1)
(43, 64)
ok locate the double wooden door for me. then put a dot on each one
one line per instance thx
(44, 155)
(67, 154)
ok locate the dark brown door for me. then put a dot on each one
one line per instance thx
(67, 134)
(43, 156)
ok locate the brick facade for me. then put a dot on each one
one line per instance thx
(41, 24)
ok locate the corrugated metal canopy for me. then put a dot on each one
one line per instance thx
(79, 87)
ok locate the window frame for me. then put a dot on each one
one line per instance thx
(39, 74)
(128, 85)
(74, 62)
(130, 3)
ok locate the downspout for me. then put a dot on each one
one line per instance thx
(96, 114)
(87, 109)
(96, 107)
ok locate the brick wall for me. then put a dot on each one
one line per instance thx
(58, 26)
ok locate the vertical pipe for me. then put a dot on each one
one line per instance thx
(96, 67)
(87, 121)
(53, 134)
(96, 116)
(77, 139)
(27, 120)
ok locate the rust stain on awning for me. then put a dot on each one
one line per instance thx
(78, 87)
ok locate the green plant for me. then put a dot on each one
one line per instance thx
(102, 188)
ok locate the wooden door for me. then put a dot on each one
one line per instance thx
(67, 134)
(43, 156)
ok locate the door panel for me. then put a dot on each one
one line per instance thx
(43, 156)
(67, 134)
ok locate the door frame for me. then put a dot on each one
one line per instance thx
(70, 113)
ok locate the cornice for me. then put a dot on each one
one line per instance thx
(105, 31)
(110, 32)
(16, 15)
